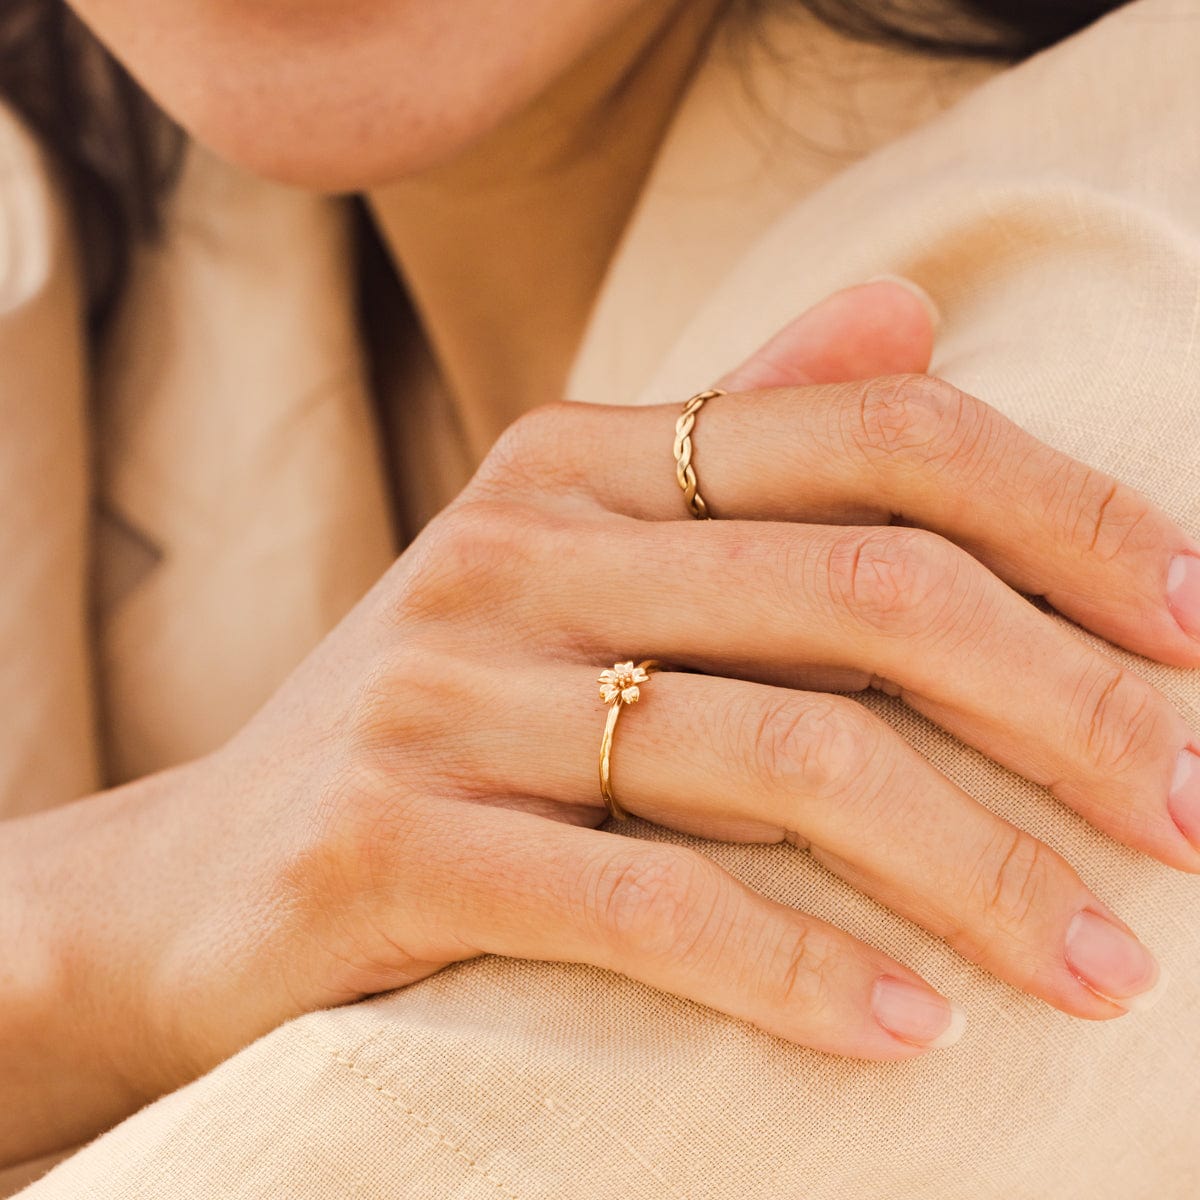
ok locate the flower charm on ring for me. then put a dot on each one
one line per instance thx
(619, 683)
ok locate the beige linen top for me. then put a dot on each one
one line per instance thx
(180, 526)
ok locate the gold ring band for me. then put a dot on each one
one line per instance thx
(619, 686)
(685, 473)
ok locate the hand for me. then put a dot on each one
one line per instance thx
(423, 788)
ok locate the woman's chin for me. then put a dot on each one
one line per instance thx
(333, 152)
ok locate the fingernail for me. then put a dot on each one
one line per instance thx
(1183, 801)
(1183, 592)
(917, 290)
(1113, 963)
(915, 1014)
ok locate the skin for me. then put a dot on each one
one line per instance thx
(521, 206)
(422, 789)
(526, 132)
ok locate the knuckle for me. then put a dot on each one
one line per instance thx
(482, 534)
(1101, 516)
(647, 900)
(475, 552)
(798, 976)
(406, 719)
(1014, 878)
(340, 840)
(528, 453)
(400, 698)
(918, 421)
(363, 840)
(824, 740)
(353, 826)
(1120, 719)
(896, 580)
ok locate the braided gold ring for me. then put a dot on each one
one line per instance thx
(619, 686)
(685, 473)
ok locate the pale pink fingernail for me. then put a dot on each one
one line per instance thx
(917, 290)
(1113, 963)
(1183, 592)
(1183, 801)
(916, 1014)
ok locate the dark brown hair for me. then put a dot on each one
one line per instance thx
(1001, 30)
(119, 154)
(116, 152)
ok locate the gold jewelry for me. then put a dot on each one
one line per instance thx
(684, 471)
(619, 686)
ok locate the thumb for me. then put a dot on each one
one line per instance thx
(882, 327)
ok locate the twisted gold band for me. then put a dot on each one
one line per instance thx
(619, 686)
(684, 471)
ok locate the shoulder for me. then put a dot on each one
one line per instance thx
(1115, 104)
(812, 161)
(1051, 211)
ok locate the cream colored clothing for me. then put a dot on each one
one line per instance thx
(1053, 211)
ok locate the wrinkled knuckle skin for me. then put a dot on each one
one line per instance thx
(407, 719)
(407, 700)
(335, 850)
(471, 560)
(897, 581)
(820, 741)
(649, 902)
(1103, 518)
(369, 842)
(1014, 880)
(1121, 721)
(398, 740)
(916, 421)
(528, 454)
(353, 824)
(798, 973)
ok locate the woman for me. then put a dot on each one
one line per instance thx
(421, 790)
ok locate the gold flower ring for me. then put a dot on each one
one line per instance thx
(620, 685)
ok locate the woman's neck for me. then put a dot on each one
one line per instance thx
(503, 250)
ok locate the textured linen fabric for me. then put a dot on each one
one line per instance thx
(1054, 213)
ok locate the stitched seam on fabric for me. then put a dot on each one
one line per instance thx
(575, 1119)
(399, 1103)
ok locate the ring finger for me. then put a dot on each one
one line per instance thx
(739, 761)
(915, 613)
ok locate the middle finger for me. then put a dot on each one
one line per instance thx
(917, 448)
